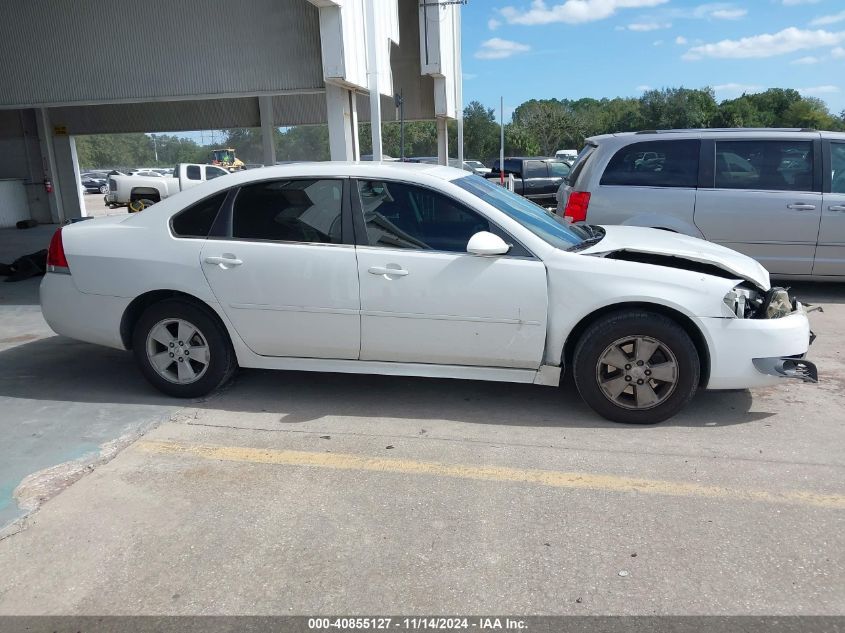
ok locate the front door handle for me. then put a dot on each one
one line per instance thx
(836, 207)
(391, 270)
(225, 261)
(800, 206)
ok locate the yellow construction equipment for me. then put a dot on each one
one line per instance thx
(226, 159)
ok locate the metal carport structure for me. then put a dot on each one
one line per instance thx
(98, 67)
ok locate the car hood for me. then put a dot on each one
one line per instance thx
(636, 239)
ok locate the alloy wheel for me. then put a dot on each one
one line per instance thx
(637, 372)
(178, 351)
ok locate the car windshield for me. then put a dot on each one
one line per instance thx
(544, 224)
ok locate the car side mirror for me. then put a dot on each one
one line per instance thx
(486, 244)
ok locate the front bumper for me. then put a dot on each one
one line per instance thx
(788, 368)
(747, 353)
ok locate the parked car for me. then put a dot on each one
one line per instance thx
(478, 167)
(777, 195)
(538, 179)
(91, 184)
(139, 192)
(568, 155)
(418, 270)
(468, 165)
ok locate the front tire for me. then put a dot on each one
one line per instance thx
(636, 367)
(182, 349)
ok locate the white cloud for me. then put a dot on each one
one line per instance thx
(792, 3)
(786, 41)
(657, 43)
(806, 61)
(718, 11)
(648, 26)
(643, 88)
(493, 24)
(572, 11)
(728, 14)
(828, 19)
(497, 48)
(837, 53)
(819, 90)
(681, 40)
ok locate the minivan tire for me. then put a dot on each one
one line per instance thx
(660, 367)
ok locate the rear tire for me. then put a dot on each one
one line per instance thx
(182, 349)
(636, 367)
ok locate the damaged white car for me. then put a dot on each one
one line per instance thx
(418, 270)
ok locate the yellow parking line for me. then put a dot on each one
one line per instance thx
(551, 478)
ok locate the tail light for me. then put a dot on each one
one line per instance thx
(576, 206)
(56, 260)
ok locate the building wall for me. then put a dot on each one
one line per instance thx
(20, 157)
(96, 51)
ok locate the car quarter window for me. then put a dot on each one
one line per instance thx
(197, 220)
(306, 210)
(400, 215)
(193, 172)
(764, 165)
(837, 167)
(654, 164)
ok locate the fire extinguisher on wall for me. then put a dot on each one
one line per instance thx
(48, 185)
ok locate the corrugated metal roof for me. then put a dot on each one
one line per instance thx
(100, 51)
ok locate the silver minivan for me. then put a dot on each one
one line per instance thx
(777, 195)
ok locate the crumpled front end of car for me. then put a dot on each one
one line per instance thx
(762, 339)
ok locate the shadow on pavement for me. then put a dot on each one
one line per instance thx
(814, 291)
(59, 369)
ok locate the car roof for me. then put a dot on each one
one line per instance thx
(705, 132)
(361, 169)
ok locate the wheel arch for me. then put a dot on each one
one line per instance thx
(694, 332)
(145, 192)
(140, 303)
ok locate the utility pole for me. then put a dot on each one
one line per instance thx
(400, 103)
(502, 141)
(155, 147)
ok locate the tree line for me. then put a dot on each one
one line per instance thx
(538, 127)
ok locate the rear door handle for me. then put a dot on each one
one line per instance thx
(836, 207)
(388, 270)
(224, 261)
(800, 206)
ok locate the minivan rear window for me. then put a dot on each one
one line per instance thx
(654, 164)
(580, 161)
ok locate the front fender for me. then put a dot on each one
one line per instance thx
(581, 285)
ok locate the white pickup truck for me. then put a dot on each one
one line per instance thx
(139, 192)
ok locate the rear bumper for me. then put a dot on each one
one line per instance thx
(747, 353)
(79, 315)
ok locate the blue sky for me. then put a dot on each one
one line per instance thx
(523, 49)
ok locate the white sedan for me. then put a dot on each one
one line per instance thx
(418, 270)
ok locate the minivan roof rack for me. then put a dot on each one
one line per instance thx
(729, 129)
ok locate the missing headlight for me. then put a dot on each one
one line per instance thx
(743, 303)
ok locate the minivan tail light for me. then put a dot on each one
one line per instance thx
(576, 206)
(56, 260)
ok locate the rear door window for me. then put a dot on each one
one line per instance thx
(764, 165)
(289, 211)
(654, 164)
(536, 169)
(837, 167)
